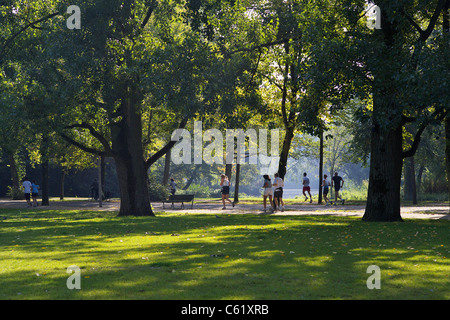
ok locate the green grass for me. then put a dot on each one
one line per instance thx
(198, 256)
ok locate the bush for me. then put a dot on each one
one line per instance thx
(156, 191)
(15, 193)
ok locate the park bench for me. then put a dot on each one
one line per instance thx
(180, 198)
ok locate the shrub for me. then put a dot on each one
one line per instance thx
(15, 193)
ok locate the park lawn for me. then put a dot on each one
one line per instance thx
(200, 256)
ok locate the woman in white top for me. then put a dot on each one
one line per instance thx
(268, 192)
(225, 184)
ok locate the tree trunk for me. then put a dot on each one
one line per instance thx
(383, 199)
(447, 151)
(320, 167)
(285, 151)
(129, 158)
(45, 194)
(103, 171)
(61, 184)
(410, 191)
(13, 168)
(236, 184)
(166, 174)
(228, 170)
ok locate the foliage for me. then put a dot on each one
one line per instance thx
(15, 193)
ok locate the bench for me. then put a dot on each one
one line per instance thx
(180, 198)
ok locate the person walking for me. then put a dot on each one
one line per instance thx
(338, 183)
(34, 192)
(325, 185)
(306, 188)
(225, 184)
(173, 186)
(27, 190)
(278, 184)
(268, 192)
(94, 190)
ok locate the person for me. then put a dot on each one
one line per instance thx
(94, 190)
(268, 192)
(306, 188)
(173, 186)
(338, 183)
(325, 185)
(34, 192)
(225, 184)
(278, 184)
(27, 190)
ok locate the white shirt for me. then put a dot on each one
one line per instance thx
(278, 182)
(305, 181)
(27, 186)
(226, 183)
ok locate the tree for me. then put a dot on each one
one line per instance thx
(390, 66)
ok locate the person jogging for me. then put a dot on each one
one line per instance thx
(338, 183)
(278, 184)
(225, 184)
(306, 188)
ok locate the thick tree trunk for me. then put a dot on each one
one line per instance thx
(386, 149)
(383, 199)
(129, 157)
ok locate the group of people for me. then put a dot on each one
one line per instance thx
(337, 182)
(31, 191)
(274, 190)
(271, 190)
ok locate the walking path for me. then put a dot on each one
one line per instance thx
(431, 211)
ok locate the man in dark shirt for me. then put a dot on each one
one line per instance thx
(338, 183)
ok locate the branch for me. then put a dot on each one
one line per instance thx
(264, 45)
(413, 23)
(94, 133)
(426, 33)
(83, 147)
(30, 24)
(412, 151)
(164, 149)
(152, 7)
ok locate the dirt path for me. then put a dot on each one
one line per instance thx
(431, 211)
